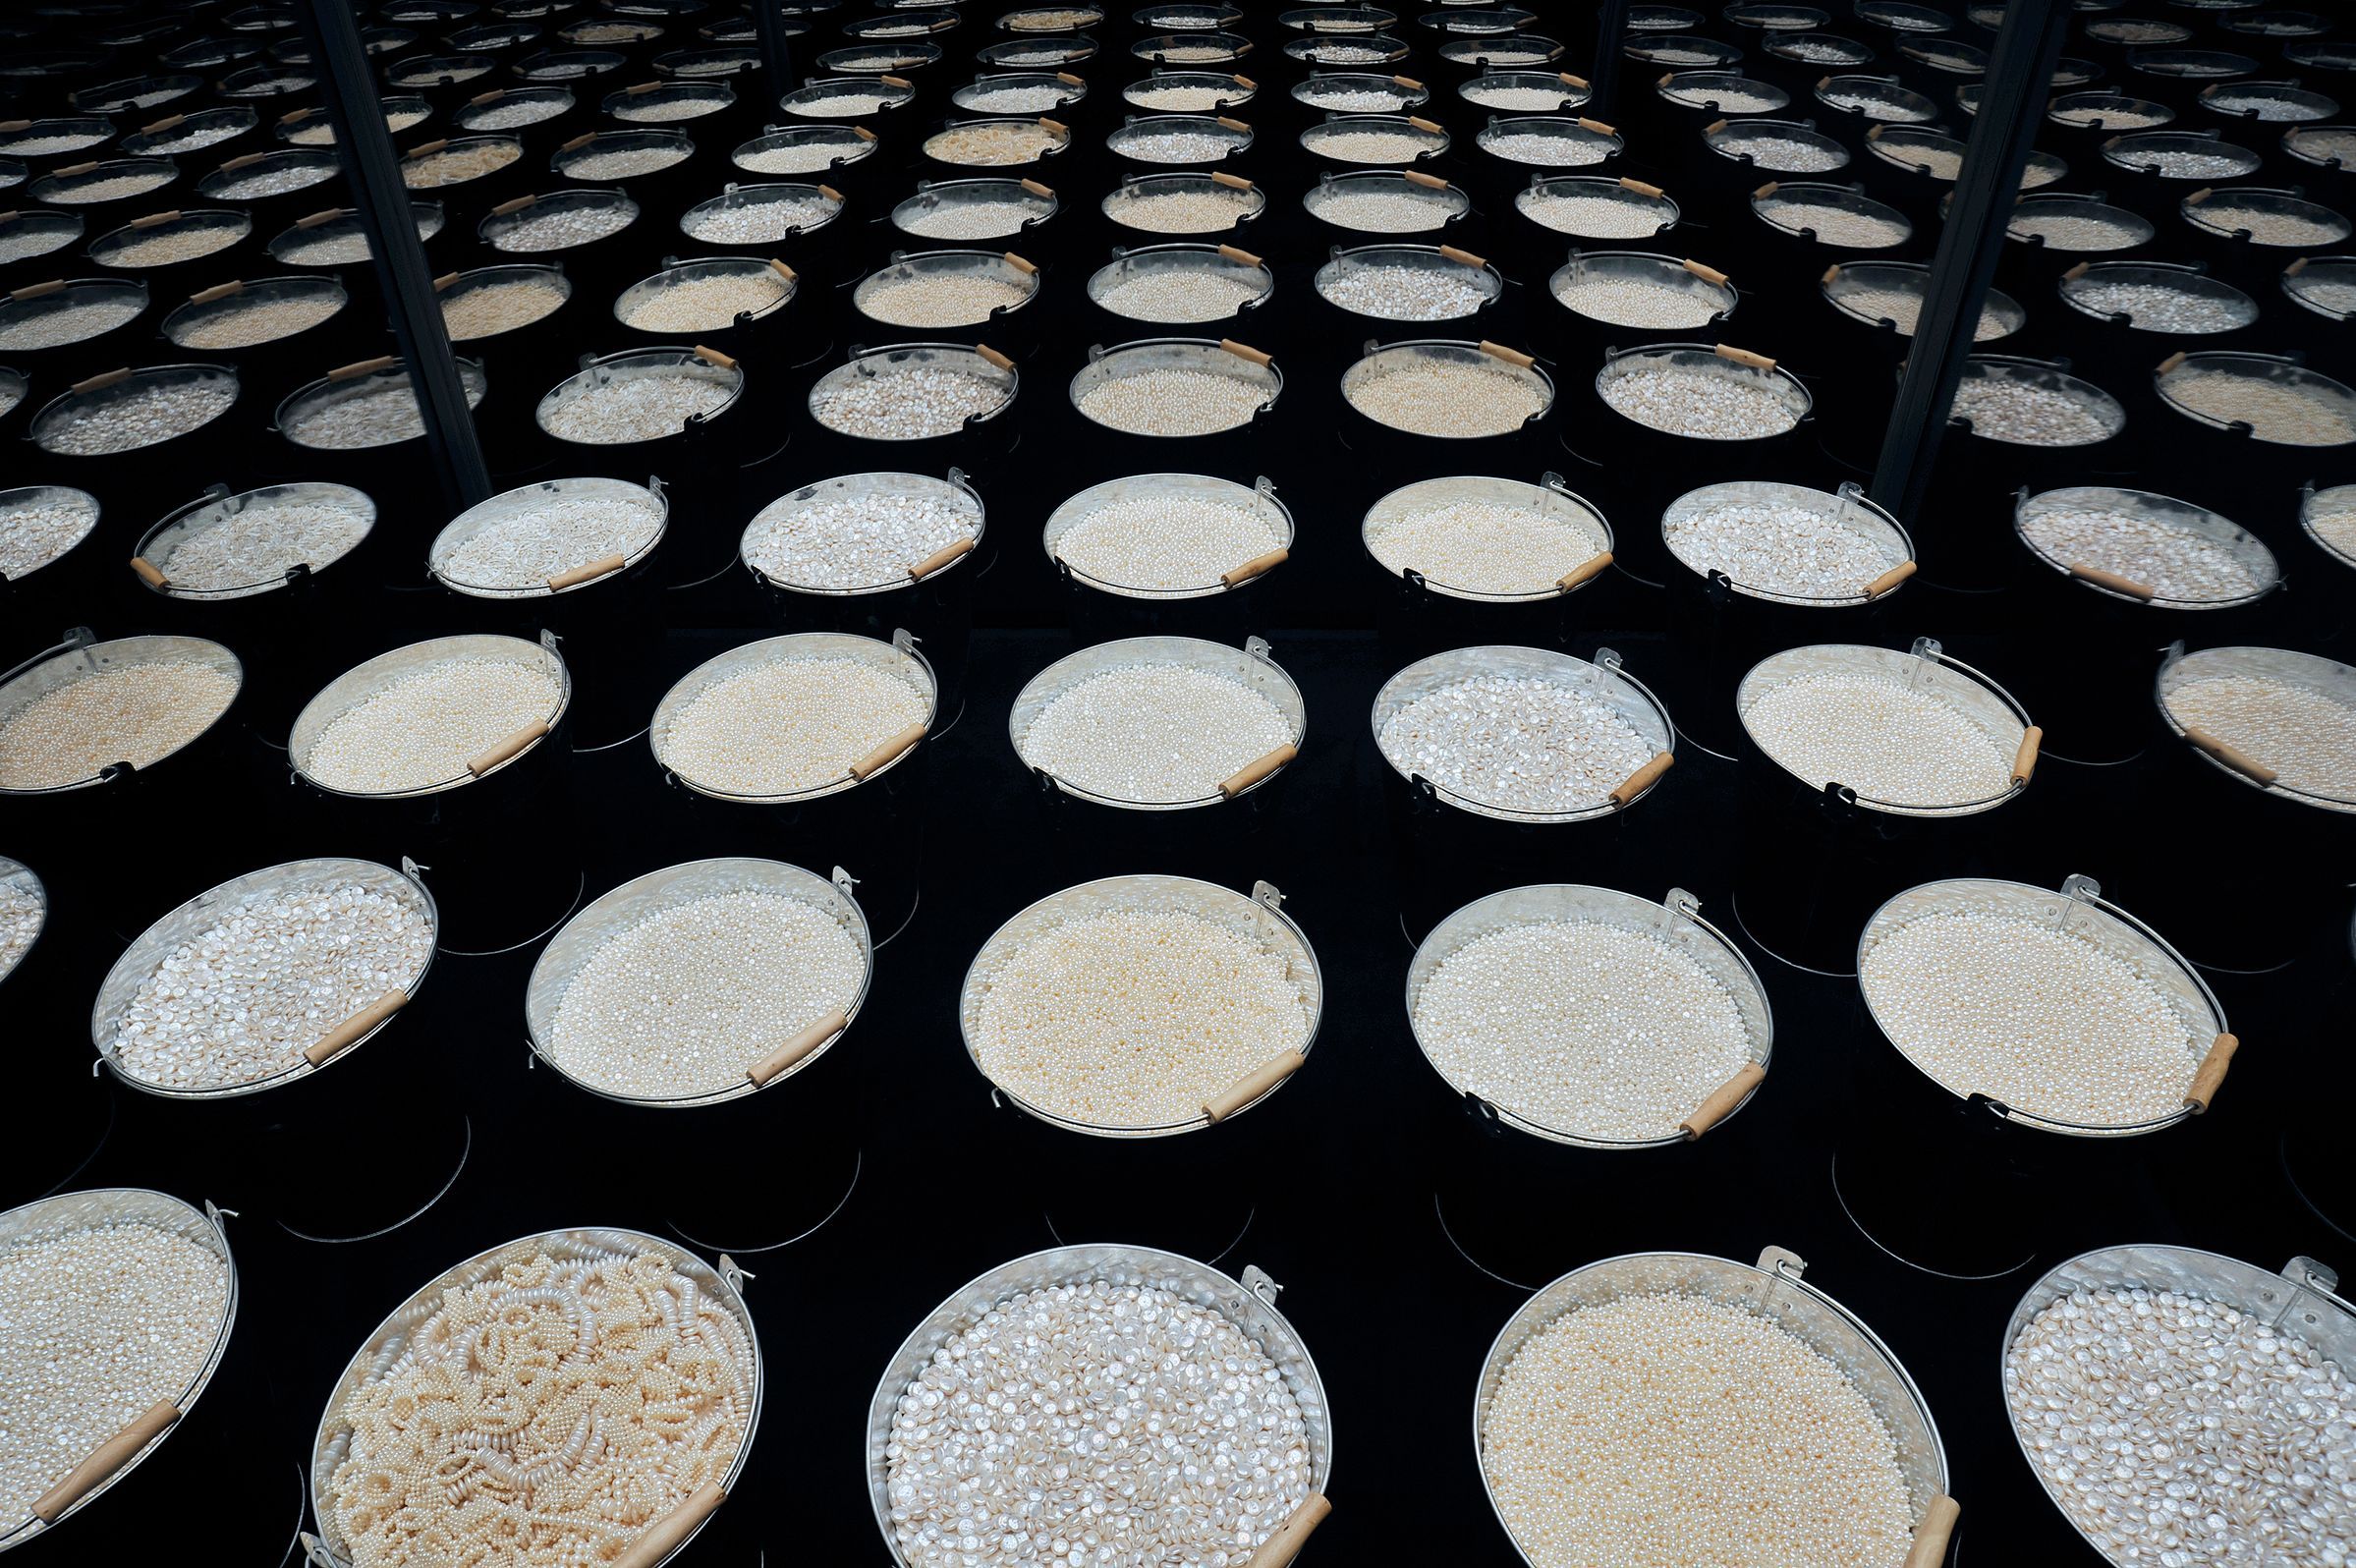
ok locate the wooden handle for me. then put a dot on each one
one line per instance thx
(713, 356)
(587, 572)
(831, 194)
(1036, 188)
(1498, 351)
(2212, 1073)
(341, 1038)
(2078, 271)
(12, 126)
(492, 96)
(244, 160)
(888, 752)
(1249, 1087)
(1233, 182)
(1831, 272)
(1642, 189)
(1258, 566)
(2232, 757)
(1598, 126)
(444, 281)
(1577, 82)
(644, 87)
(345, 372)
(1643, 779)
(940, 558)
(311, 222)
(1234, 125)
(792, 1053)
(1428, 127)
(2024, 756)
(500, 751)
(1757, 362)
(1585, 570)
(33, 291)
(580, 141)
(1710, 276)
(159, 127)
(219, 290)
(1054, 127)
(2200, 195)
(1244, 351)
(1889, 580)
(1285, 1545)
(783, 272)
(1930, 1547)
(2113, 581)
(1409, 83)
(1236, 252)
(1462, 257)
(1252, 772)
(1766, 191)
(86, 166)
(1020, 265)
(103, 1461)
(994, 357)
(517, 204)
(2291, 271)
(102, 381)
(426, 149)
(147, 572)
(662, 1537)
(1245, 82)
(1069, 79)
(1713, 128)
(895, 82)
(863, 133)
(1430, 182)
(1723, 1098)
(2170, 362)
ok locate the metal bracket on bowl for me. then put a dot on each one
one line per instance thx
(1256, 1280)
(735, 1276)
(2309, 1278)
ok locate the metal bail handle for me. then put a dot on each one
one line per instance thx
(845, 883)
(1257, 1280)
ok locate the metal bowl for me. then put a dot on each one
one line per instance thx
(631, 364)
(482, 516)
(696, 99)
(1448, 202)
(57, 229)
(677, 144)
(1182, 258)
(335, 224)
(1705, 359)
(683, 273)
(497, 223)
(1141, 356)
(1250, 200)
(1705, 287)
(1231, 90)
(23, 306)
(936, 197)
(738, 197)
(83, 397)
(1848, 507)
(841, 145)
(2281, 373)
(823, 100)
(1430, 142)
(1249, 666)
(897, 357)
(366, 679)
(199, 310)
(81, 656)
(2322, 677)
(1231, 136)
(2181, 517)
(2095, 402)
(1260, 498)
(1551, 496)
(344, 387)
(999, 266)
(1644, 199)
(1841, 288)
(1457, 267)
(952, 493)
(898, 658)
(217, 507)
(1380, 360)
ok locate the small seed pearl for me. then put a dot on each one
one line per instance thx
(1153, 733)
(790, 724)
(37, 530)
(264, 321)
(991, 145)
(1780, 154)
(524, 548)
(974, 220)
(254, 548)
(2063, 231)
(685, 1002)
(49, 330)
(1485, 547)
(2004, 410)
(855, 541)
(1698, 404)
(140, 713)
(2046, 1020)
(1184, 100)
(605, 1391)
(1657, 1432)
(1838, 226)
(1360, 102)
(1174, 401)
(1595, 217)
(1180, 211)
(1903, 309)
(1016, 100)
(22, 913)
(108, 188)
(564, 229)
(1403, 294)
(423, 727)
(2289, 414)
(1772, 547)
(490, 309)
(1164, 541)
(2147, 548)
(1444, 398)
(1636, 303)
(2308, 737)
(634, 408)
(2181, 1431)
(940, 298)
(515, 115)
(912, 403)
(1168, 295)
(274, 181)
(24, 246)
(664, 111)
(756, 222)
(457, 165)
(801, 157)
(705, 303)
(1370, 146)
(1134, 1017)
(97, 1326)
(1581, 1027)
(1519, 743)
(1179, 1443)
(1883, 738)
(147, 414)
(264, 980)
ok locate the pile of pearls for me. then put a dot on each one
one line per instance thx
(1016, 100)
(2270, 227)
(1883, 738)
(974, 220)
(756, 222)
(2033, 1014)
(1214, 53)
(96, 1327)
(642, 406)
(623, 163)
(1669, 1430)
(590, 1398)
(1874, 107)
(2275, 411)
(378, 416)
(1706, 405)
(687, 999)
(523, 548)
(329, 250)
(2194, 165)
(787, 725)
(274, 182)
(2336, 526)
(1184, 99)
(1134, 1017)
(1521, 743)
(1325, 52)
(1780, 154)
(1182, 211)
(264, 321)
(109, 188)
(1945, 164)
(1173, 400)
(1777, 547)
(907, 402)
(802, 157)
(1346, 146)
(490, 309)
(2308, 737)
(1355, 100)
(514, 114)
(2153, 308)
(940, 298)
(1403, 294)
(1430, 396)
(1174, 147)
(2176, 1430)
(1111, 1425)
(1398, 211)
(705, 303)
(49, 330)
(1815, 53)
(1582, 1027)
(1484, 547)
(1050, 20)
(664, 111)
(1837, 226)
(2323, 144)
(2071, 231)
(850, 105)
(992, 145)
(24, 246)
(197, 138)
(2265, 106)
(137, 713)
(563, 229)
(858, 540)
(41, 528)
(1903, 309)
(1729, 101)
(2150, 548)
(1636, 302)
(1164, 541)
(26, 144)
(146, 412)
(421, 728)
(2003, 409)
(1591, 217)
(169, 246)
(22, 913)
(1156, 734)
(1171, 295)
(251, 550)
(460, 164)
(242, 999)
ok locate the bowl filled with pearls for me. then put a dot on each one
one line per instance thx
(1385, 202)
(41, 528)
(554, 538)
(1181, 284)
(1166, 91)
(1448, 388)
(1472, 558)
(915, 391)
(946, 289)
(975, 210)
(805, 149)
(1179, 139)
(1162, 388)
(636, 397)
(61, 313)
(1409, 282)
(1184, 204)
(355, 423)
(715, 300)
(1375, 139)
(1361, 92)
(224, 547)
(1593, 207)
(1153, 549)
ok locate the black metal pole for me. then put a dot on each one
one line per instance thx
(380, 201)
(1604, 77)
(776, 51)
(2020, 73)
